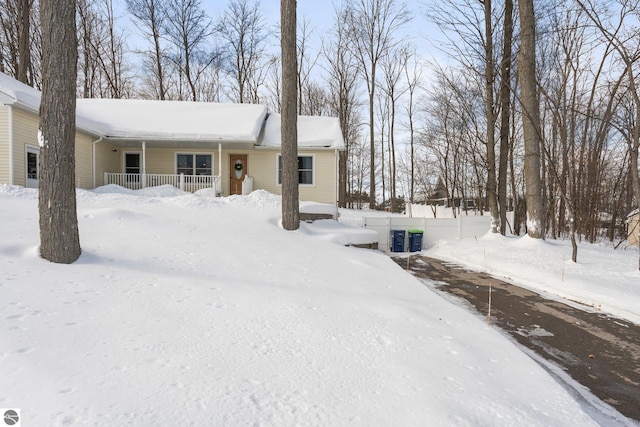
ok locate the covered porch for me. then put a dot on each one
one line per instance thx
(189, 183)
(187, 166)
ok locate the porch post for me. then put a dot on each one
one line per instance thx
(143, 178)
(11, 159)
(219, 170)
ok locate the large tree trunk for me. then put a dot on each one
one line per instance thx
(505, 101)
(530, 119)
(491, 120)
(59, 237)
(289, 117)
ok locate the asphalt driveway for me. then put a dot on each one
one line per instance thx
(599, 351)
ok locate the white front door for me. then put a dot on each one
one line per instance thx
(33, 166)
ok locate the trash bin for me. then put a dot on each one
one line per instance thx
(415, 240)
(397, 240)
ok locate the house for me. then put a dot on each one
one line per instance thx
(232, 148)
(633, 223)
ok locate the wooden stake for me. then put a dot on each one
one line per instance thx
(408, 258)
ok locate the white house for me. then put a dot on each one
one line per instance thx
(191, 145)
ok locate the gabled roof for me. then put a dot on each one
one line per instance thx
(135, 119)
(313, 132)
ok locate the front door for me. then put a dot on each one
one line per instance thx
(33, 166)
(238, 170)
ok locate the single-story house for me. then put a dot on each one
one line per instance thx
(633, 225)
(232, 148)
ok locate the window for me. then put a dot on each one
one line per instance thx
(305, 170)
(194, 164)
(132, 163)
(132, 167)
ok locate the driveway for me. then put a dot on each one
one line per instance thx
(599, 351)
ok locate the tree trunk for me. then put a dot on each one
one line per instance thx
(491, 120)
(342, 179)
(24, 55)
(59, 237)
(530, 119)
(505, 101)
(372, 147)
(290, 199)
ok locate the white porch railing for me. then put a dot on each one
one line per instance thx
(190, 183)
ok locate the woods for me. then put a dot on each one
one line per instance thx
(530, 107)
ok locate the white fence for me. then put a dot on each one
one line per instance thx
(190, 183)
(434, 229)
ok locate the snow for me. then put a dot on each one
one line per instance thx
(171, 120)
(189, 309)
(313, 132)
(14, 92)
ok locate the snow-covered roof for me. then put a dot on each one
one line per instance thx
(172, 120)
(152, 120)
(13, 92)
(313, 132)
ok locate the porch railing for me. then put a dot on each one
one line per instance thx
(190, 183)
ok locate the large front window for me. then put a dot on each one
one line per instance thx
(305, 170)
(194, 164)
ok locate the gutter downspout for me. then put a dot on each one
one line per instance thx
(93, 160)
(11, 166)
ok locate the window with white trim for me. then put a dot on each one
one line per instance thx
(194, 164)
(305, 169)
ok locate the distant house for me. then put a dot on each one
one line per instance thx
(232, 148)
(633, 224)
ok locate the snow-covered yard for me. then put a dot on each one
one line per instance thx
(192, 310)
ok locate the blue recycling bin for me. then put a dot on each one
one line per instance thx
(415, 240)
(397, 240)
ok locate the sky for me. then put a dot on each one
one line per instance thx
(320, 15)
(194, 310)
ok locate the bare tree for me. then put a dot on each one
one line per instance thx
(490, 113)
(307, 60)
(342, 75)
(88, 29)
(59, 236)
(242, 27)
(103, 64)
(393, 67)
(9, 21)
(373, 25)
(623, 37)
(20, 41)
(289, 125)
(413, 76)
(530, 119)
(187, 28)
(150, 19)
